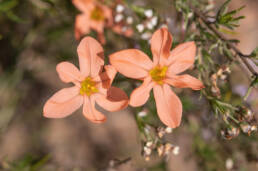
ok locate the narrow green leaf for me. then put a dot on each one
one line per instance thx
(7, 5)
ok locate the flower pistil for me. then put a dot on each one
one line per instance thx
(97, 14)
(88, 87)
(158, 74)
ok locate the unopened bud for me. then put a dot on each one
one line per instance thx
(168, 130)
(149, 143)
(176, 150)
(147, 150)
(160, 150)
(246, 128)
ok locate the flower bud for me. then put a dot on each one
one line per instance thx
(229, 133)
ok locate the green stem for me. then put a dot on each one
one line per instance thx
(248, 93)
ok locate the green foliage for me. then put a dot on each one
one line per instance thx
(7, 7)
(228, 19)
(28, 163)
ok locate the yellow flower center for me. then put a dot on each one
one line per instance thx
(158, 74)
(97, 14)
(88, 87)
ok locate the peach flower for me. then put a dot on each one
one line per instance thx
(91, 86)
(159, 74)
(94, 16)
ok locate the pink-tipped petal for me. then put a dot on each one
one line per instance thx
(68, 72)
(132, 63)
(90, 112)
(91, 56)
(82, 26)
(161, 42)
(63, 103)
(141, 94)
(185, 81)
(169, 106)
(115, 100)
(181, 58)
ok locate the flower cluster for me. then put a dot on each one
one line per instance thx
(92, 85)
(122, 24)
(242, 119)
(147, 24)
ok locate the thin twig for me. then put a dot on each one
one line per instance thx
(242, 57)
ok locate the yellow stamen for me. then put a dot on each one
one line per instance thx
(88, 87)
(97, 14)
(158, 74)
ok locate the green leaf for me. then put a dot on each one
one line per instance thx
(7, 5)
(223, 8)
(14, 17)
(254, 54)
(255, 81)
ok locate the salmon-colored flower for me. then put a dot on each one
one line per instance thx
(91, 86)
(94, 16)
(159, 74)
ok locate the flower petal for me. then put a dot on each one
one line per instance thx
(82, 26)
(185, 81)
(91, 57)
(132, 63)
(169, 106)
(141, 94)
(115, 100)
(108, 15)
(83, 5)
(98, 26)
(161, 42)
(63, 103)
(68, 72)
(90, 112)
(181, 58)
(106, 78)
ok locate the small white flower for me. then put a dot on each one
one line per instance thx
(148, 13)
(176, 150)
(146, 36)
(229, 164)
(254, 128)
(190, 15)
(168, 130)
(140, 27)
(129, 20)
(118, 18)
(147, 151)
(149, 25)
(149, 143)
(154, 20)
(142, 113)
(120, 8)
